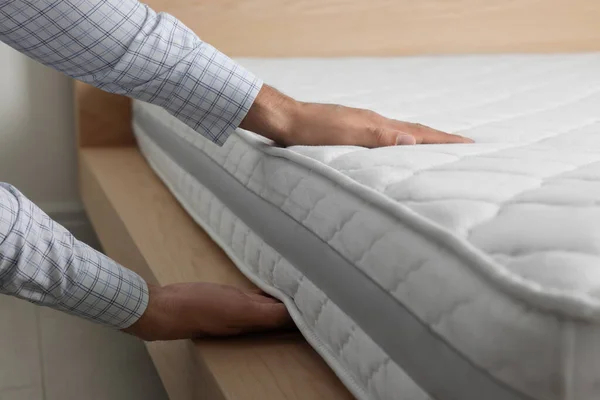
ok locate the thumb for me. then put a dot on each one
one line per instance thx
(391, 137)
(267, 315)
(404, 139)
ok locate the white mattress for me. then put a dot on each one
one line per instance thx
(440, 271)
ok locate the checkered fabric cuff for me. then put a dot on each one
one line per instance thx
(125, 47)
(41, 262)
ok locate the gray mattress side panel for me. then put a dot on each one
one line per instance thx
(430, 361)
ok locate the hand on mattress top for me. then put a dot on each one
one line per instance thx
(191, 310)
(289, 122)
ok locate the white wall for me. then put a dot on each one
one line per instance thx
(37, 139)
(37, 145)
(37, 155)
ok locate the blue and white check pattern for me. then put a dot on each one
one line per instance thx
(124, 47)
(40, 261)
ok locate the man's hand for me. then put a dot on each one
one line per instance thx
(191, 310)
(289, 122)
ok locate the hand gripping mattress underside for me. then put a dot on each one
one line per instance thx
(438, 271)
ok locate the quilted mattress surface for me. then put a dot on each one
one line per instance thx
(467, 271)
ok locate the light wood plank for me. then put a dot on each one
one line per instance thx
(101, 118)
(267, 28)
(142, 226)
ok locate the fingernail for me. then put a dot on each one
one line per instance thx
(405, 140)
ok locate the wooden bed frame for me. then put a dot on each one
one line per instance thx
(142, 226)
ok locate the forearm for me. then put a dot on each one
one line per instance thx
(124, 47)
(273, 115)
(43, 263)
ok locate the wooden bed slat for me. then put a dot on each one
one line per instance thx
(141, 225)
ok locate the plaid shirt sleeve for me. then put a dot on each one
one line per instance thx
(124, 47)
(43, 263)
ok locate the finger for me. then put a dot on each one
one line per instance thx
(268, 316)
(260, 292)
(402, 139)
(255, 291)
(384, 137)
(432, 137)
(452, 138)
(427, 135)
(261, 298)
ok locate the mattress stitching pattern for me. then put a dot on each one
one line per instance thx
(313, 317)
(385, 379)
(496, 363)
(574, 303)
(564, 300)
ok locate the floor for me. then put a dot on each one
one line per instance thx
(47, 355)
